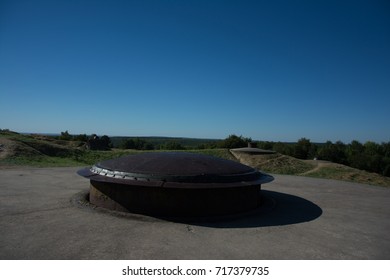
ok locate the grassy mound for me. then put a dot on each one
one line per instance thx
(43, 151)
(274, 163)
(337, 171)
(281, 164)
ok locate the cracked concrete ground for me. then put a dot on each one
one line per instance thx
(42, 216)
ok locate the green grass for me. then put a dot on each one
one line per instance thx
(286, 165)
(76, 157)
(40, 162)
(221, 153)
(345, 173)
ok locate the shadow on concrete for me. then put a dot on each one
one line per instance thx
(277, 209)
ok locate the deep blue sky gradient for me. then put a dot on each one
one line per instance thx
(270, 70)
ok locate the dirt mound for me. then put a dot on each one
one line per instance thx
(274, 163)
(282, 164)
(64, 143)
(330, 170)
(49, 149)
(11, 148)
(21, 149)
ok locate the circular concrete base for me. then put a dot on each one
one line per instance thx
(174, 202)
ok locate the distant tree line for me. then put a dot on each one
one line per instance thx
(141, 144)
(231, 142)
(370, 156)
(137, 144)
(104, 142)
(93, 142)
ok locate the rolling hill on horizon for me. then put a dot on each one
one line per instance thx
(44, 151)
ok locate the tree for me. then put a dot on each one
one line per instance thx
(127, 144)
(302, 148)
(233, 141)
(105, 142)
(386, 171)
(372, 148)
(386, 149)
(65, 136)
(354, 148)
(266, 145)
(355, 155)
(283, 148)
(333, 152)
(81, 137)
(136, 143)
(97, 143)
(172, 145)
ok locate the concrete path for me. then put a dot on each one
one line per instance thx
(42, 216)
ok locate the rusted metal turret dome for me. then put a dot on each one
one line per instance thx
(175, 184)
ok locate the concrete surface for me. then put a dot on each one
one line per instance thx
(42, 216)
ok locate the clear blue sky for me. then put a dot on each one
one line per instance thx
(270, 70)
